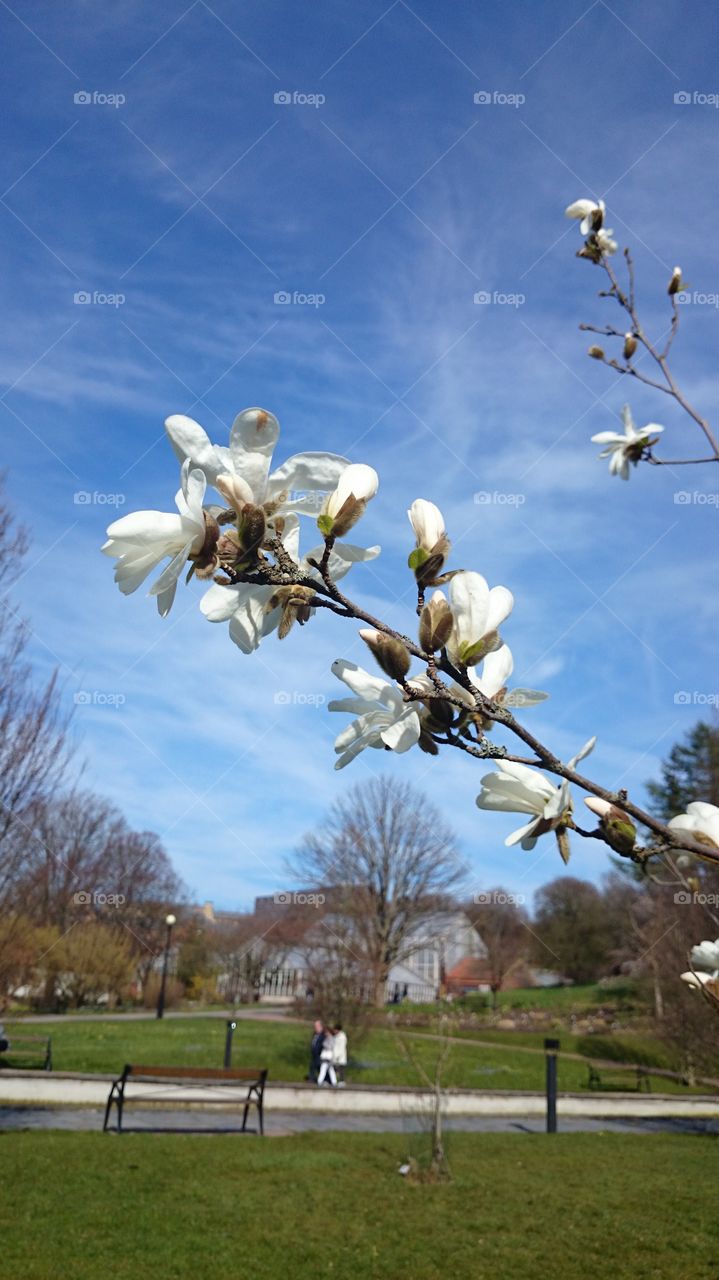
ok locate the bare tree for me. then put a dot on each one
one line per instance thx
(33, 748)
(438, 1169)
(502, 924)
(80, 861)
(391, 861)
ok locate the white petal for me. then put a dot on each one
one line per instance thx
(358, 481)
(525, 698)
(360, 681)
(171, 572)
(532, 778)
(307, 478)
(355, 706)
(253, 437)
(145, 528)
(523, 834)
(598, 806)
(342, 557)
(608, 437)
(496, 670)
(403, 733)
(702, 809)
(511, 802)
(583, 751)
(131, 571)
(220, 603)
(469, 600)
(427, 522)
(248, 623)
(580, 209)
(501, 603)
(188, 440)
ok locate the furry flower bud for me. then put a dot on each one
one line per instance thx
(251, 528)
(616, 825)
(389, 653)
(435, 624)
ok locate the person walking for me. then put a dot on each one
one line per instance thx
(318, 1035)
(339, 1058)
(327, 1067)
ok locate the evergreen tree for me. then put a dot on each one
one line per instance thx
(690, 772)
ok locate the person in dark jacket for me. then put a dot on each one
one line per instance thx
(318, 1036)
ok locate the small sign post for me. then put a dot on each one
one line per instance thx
(551, 1049)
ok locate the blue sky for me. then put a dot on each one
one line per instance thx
(185, 193)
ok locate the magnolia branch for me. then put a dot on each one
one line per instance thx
(637, 336)
(327, 595)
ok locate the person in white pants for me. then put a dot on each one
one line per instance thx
(327, 1070)
(340, 1053)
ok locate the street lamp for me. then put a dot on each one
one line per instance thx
(169, 921)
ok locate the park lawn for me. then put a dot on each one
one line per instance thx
(283, 1048)
(605, 1206)
(620, 995)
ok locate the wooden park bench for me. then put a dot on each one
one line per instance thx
(217, 1078)
(36, 1047)
(634, 1079)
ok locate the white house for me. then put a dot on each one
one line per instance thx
(434, 947)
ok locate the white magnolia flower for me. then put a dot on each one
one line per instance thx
(627, 448)
(343, 507)
(701, 822)
(384, 719)
(141, 540)
(477, 613)
(696, 980)
(706, 956)
(427, 522)
(517, 788)
(299, 485)
(705, 968)
(246, 607)
(591, 213)
(604, 240)
(497, 667)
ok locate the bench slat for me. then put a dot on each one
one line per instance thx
(195, 1073)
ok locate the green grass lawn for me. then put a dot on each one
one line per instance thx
(284, 1049)
(621, 995)
(309, 1207)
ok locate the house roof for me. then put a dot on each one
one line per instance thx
(470, 969)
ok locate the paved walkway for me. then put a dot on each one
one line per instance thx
(284, 1123)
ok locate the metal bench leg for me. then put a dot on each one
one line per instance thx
(110, 1101)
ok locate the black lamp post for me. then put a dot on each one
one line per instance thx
(169, 921)
(229, 1032)
(551, 1049)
